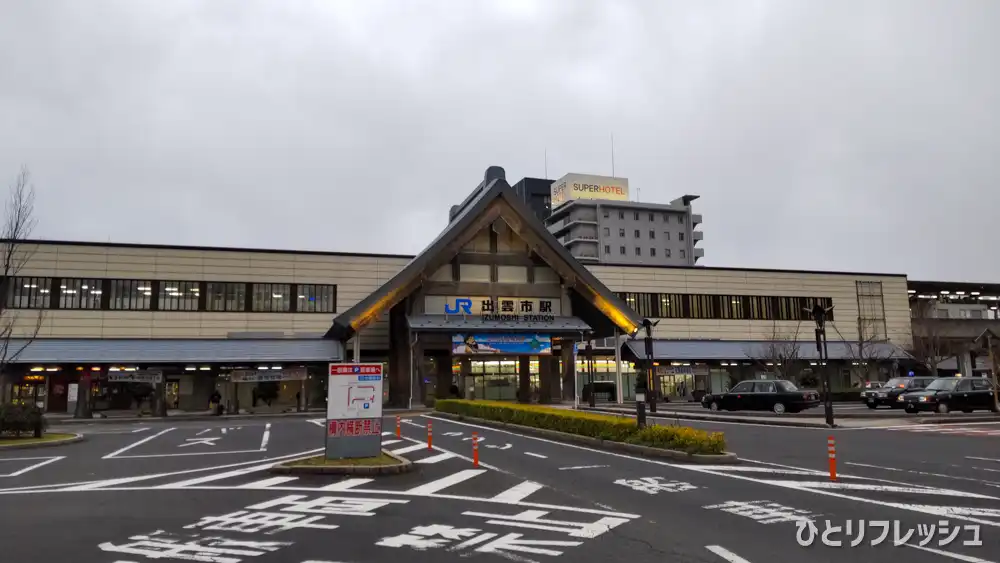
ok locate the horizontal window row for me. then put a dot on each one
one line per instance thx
(638, 251)
(637, 233)
(159, 295)
(734, 307)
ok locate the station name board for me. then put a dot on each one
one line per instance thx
(503, 309)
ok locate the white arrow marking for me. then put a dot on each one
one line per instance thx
(202, 441)
(203, 431)
(480, 440)
(504, 447)
(512, 542)
(452, 433)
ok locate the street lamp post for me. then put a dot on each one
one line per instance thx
(590, 373)
(819, 314)
(642, 383)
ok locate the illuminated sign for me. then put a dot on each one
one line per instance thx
(505, 309)
(580, 186)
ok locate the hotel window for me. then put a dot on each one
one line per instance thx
(666, 234)
(607, 249)
(652, 235)
(652, 252)
(75, 293)
(636, 215)
(316, 298)
(680, 219)
(637, 233)
(179, 296)
(271, 297)
(29, 293)
(228, 297)
(621, 233)
(680, 236)
(131, 295)
(683, 254)
(607, 214)
(607, 231)
(621, 214)
(651, 217)
(621, 250)
(667, 253)
(638, 251)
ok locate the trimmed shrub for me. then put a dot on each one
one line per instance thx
(604, 427)
(17, 419)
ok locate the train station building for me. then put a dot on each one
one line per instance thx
(495, 307)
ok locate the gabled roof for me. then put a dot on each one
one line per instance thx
(491, 200)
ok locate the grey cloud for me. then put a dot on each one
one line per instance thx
(827, 135)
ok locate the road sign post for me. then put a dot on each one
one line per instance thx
(354, 411)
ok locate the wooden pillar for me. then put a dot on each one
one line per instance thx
(443, 381)
(545, 379)
(524, 379)
(466, 380)
(568, 371)
(399, 357)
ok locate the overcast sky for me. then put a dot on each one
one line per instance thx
(846, 135)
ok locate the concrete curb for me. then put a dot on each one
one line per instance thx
(206, 417)
(713, 418)
(404, 466)
(727, 458)
(49, 444)
(958, 419)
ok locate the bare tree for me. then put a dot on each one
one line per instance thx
(17, 331)
(930, 345)
(867, 352)
(780, 354)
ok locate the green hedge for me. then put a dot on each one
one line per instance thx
(616, 429)
(17, 419)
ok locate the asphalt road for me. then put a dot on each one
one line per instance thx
(130, 492)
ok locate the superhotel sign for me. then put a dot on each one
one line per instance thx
(580, 186)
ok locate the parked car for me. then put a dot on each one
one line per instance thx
(775, 395)
(946, 394)
(889, 394)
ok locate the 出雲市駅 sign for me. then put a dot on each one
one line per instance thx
(506, 309)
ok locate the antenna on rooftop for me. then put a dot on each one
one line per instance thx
(612, 154)
(546, 164)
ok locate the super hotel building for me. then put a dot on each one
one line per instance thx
(261, 326)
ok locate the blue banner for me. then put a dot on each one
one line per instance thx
(499, 344)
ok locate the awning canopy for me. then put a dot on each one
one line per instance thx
(458, 323)
(170, 351)
(693, 350)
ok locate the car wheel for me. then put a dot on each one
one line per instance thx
(910, 409)
(943, 408)
(714, 406)
(779, 408)
(872, 406)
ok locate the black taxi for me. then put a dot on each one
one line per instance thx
(946, 394)
(775, 395)
(888, 394)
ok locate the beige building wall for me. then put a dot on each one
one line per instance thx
(840, 287)
(357, 275)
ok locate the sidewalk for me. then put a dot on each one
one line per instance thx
(62, 419)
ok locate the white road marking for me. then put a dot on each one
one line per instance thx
(317, 421)
(266, 437)
(445, 482)
(437, 458)
(724, 553)
(47, 461)
(982, 458)
(187, 454)
(390, 442)
(927, 473)
(408, 449)
(137, 430)
(200, 442)
(581, 467)
(517, 493)
(214, 477)
(958, 556)
(346, 484)
(459, 456)
(223, 430)
(411, 423)
(265, 483)
(140, 442)
(387, 433)
(539, 456)
(751, 469)
(203, 431)
(877, 488)
(924, 509)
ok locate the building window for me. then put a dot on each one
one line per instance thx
(228, 297)
(680, 236)
(666, 253)
(680, 219)
(607, 231)
(652, 252)
(271, 297)
(621, 233)
(607, 214)
(637, 233)
(722, 307)
(683, 253)
(621, 215)
(636, 215)
(313, 298)
(29, 293)
(652, 235)
(178, 296)
(652, 217)
(131, 295)
(607, 249)
(75, 293)
(621, 250)
(666, 217)
(638, 251)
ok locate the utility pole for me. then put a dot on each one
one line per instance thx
(819, 314)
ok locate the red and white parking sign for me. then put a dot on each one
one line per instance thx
(355, 427)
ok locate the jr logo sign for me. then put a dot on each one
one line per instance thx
(462, 305)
